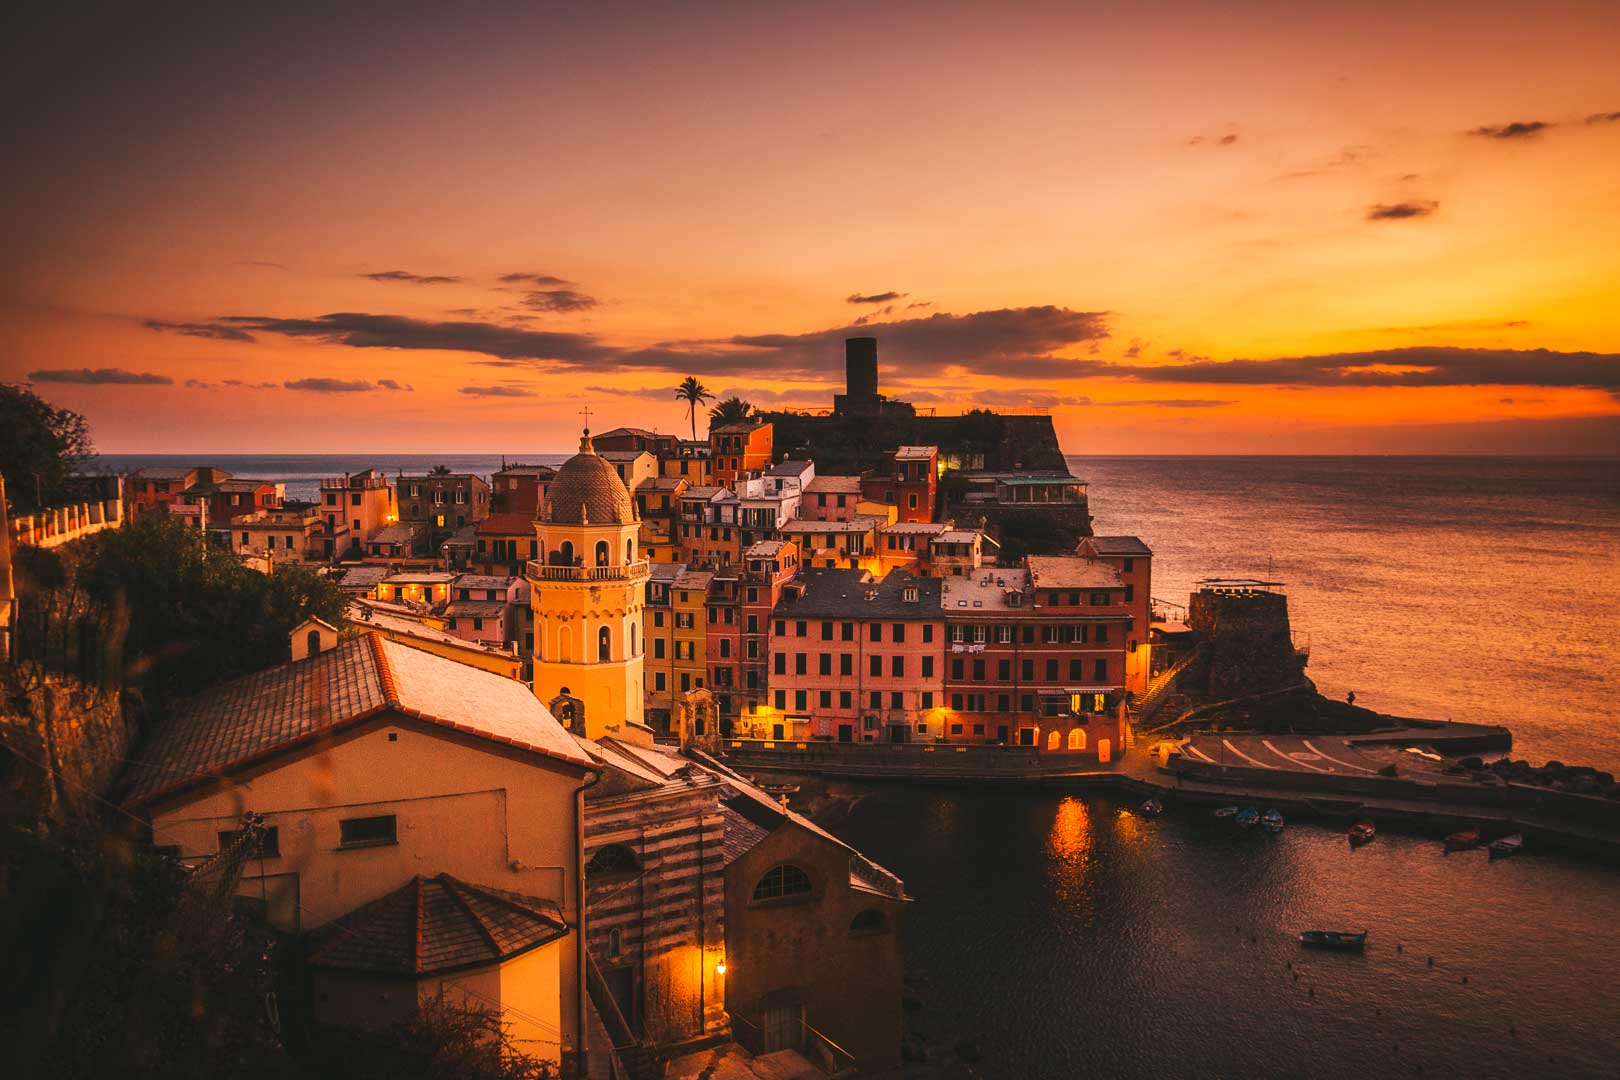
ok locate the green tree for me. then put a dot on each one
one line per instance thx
(41, 449)
(442, 1040)
(440, 470)
(733, 410)
(195, 613)
(694, 393)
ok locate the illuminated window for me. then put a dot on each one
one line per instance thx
(1077, 739)
(782, 881)
(1054, 740)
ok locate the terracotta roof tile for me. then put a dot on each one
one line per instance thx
(433, 925)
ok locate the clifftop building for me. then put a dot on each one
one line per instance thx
(860, 396)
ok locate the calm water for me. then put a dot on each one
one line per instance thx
(1480, 589)
(1067, 937)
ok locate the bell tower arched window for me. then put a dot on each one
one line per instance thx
(601, 553)
(604, 645)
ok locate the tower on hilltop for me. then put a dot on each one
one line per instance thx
(586, 591)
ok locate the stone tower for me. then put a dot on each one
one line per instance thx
(586, 590)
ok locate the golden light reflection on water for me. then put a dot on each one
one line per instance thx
(1070, 839)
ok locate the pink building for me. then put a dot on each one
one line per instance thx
(855, 658)
(830, 498)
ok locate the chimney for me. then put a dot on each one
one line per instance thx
(860, 367)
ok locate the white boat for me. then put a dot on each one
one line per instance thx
(1507, 845)
(1226, 811)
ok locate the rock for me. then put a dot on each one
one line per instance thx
(1472, 764)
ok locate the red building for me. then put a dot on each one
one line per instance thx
(1134, 561)
(855, 658)
(520, 489)
(768, 567)
(722, 644)
(906, 482)
(1036, 656)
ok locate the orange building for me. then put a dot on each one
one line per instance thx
(1134, 562)
(906, 482)
(737, 449)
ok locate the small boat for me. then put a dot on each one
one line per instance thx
(1333, 939)
(1463, 840)
(1272, 821)
(1361, 832)
(780, 789)
(1226, 811)
(1152, 808)
(1246, 818)
(1507, 845)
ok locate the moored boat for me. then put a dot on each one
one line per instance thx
(1226, 811)
(1507, 845)
(1272, 821)
(1152, 808)
(1246, 818)
(1361, 832)
(1463, 840)
(1333, 939)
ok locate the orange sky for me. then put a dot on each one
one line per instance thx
(1385, 212)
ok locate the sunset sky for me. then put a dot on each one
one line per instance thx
(1186, 227)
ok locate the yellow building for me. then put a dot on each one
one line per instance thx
(587, 590)
(409, 805)
(688, 603)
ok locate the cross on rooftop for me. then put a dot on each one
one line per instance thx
(586, 413)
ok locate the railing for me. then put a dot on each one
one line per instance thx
(535, 570)
(58, 525)
(816, 1047)
(1145, 706)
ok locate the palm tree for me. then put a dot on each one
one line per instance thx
(440, 470)
(694, 393)
(733, 410)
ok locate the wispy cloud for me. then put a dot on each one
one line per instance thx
(1604, 118)
(559, 300)
(1214, 140)
(405, 277)
(390, 384)
(532, 279)
(107, 376)
(213, 330)
(1518, 129)
(330, 386)
(1402, 211)
(873, 298)
(498, 391)
(264, 264)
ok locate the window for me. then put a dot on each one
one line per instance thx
(846, 663)
(615, 860)
(1102, 633)
(875, 631)
(899, 632)
(269, 845)
(826, 630)
(897, 667)
(874, 699)
(845, 699)
(897, 699)
(978, 671)
(800, 628)
(928, 632)
(1130, 593)
(956, 670)
(800, 700)
(780, 660)
(927, 701)
(1051, 671)
(1076, 670)
(876, 665)
(658, 650)
(1130, 564)
(801, 663)
(825, 699)
(1003, 670)
(1099, 671)
(846, 631)
(825, 664)
(658, 679)
(928, 667)
(870, 921)
(781, 701)
(604, 645)
(367, 831)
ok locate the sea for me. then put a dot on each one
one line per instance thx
(1064, 936)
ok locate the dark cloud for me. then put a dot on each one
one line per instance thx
(203, 330)
(1401, 211)
(107, 376)
(1410, 367)
(922, 345)
(1213, 140)
(498, 391)
(265, 263)
(198, 384)
(405, 277)
(390, 384)
(1604, 118)
(562, 300)
(330, 386)
(873, 298)
(532, 279)
(1518, 129)
(919, 304)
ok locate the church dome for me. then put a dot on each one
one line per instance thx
(587, 491)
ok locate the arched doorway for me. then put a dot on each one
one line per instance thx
(1054, 741)
(601, 553)
(565, 554)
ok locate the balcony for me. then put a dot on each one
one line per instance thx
(535, 570)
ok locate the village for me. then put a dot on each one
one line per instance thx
(502, 774)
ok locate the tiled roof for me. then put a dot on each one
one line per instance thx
(1071, 572)
(914, 453)
(741, 835)
(401, 532)
(1120, 545)
(587, 490)
(163, 472)
(506, 524)
(499, 582)
(852, 594)
(434, 925)
(849, 485)
(260, 716)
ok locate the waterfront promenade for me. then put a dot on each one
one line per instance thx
(1332, 776)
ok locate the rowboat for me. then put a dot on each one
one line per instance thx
(1361, 832)
(1226, 811)
(1463, 841)
(1246, 818)
(1507, 845)
(1152, 808)
(1333, 939)
(1272, 821)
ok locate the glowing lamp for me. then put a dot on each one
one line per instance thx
(720, 968)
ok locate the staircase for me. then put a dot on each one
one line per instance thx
(1143, 709)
